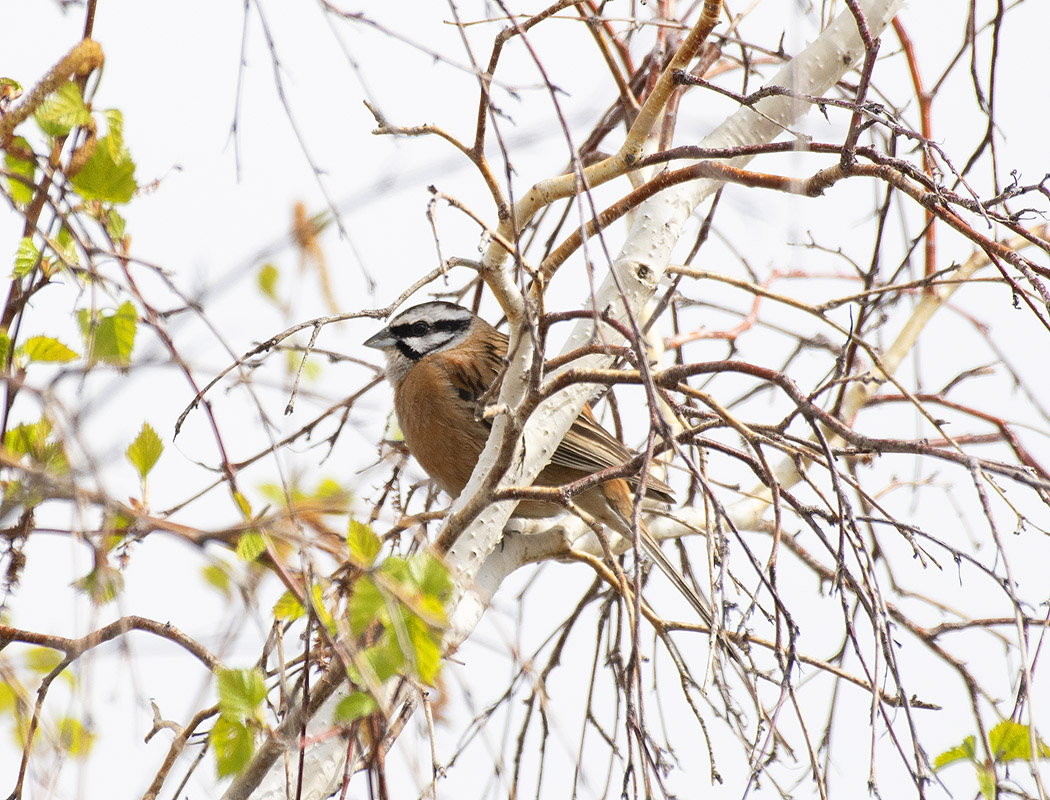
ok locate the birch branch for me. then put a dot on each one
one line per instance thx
(477, 566)
(747, 513)
(658, 224)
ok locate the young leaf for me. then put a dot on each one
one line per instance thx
(363, 543)
(331, 490)
(217, 577)
(320, 609)
(267, 281)
(986, 782)
(111, 337)
(42, 659)
(63, 110)
(243, 505)
(8, 699)
(145, 450)
(75, 738)
(366, 605)
(430, 575)
(354, 706)
(67, 246)
(288, 608)
(241, 691)
(19, 162)
(115, 225)
(385, 657)
(44, 348)
(101, 585)
(115, 130)
(26, 258)
(109, 174)
(397, 568)
(426, 648)
(250, 546)
(117, 524)
(233, 745)
(961, 752)
(29, 439)
(1011, 741)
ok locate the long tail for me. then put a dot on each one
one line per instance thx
(688, 591)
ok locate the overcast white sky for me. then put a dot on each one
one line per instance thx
(172, 68)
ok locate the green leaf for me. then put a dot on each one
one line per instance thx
(366, 605)
(27, 438)
(26, 167)
(323, 615)
(31, 439)
(267, 280)
(288, 608)
(233, 744)
(27, 256)
(243, 505)
(397, 568)
(426, 649)
(311, 369)
(117, 525)
(241, 691)
(44, 348)
(275, 493)
(115, 225)
(42, 659)
(102, 585)
(354, 706)
(75, 739)
(54, 458)
(115, 131)
(18, 496)
(217, 576)
(8, 699)
(67, 245)
(986, 782)
(961, 752)
(110, 336)
(5, 349)
(250, 546)
(109, 174)
(1011, 741)
(63, 110)
(385, 657)
(430, 575)
(363, 543)
(145, 450)
(330, 489)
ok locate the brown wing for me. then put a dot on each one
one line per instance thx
(590, 448)
(587, 447)
(472, 371)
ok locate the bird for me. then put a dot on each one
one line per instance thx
(442, 361)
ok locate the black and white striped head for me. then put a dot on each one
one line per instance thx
(418, 332)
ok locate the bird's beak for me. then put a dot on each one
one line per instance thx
(381, 340)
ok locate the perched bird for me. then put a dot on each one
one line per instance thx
(442, 359)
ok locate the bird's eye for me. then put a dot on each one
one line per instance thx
(419, 329)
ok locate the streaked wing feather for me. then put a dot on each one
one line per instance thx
(471, 375)
(587, 447)
(590, 448)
